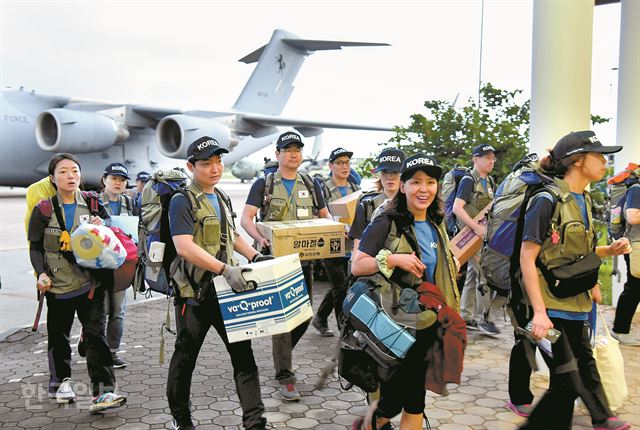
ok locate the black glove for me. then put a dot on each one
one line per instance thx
(236, 281)
(259, 257)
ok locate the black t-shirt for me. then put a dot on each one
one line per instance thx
(374, 236)
(359, 223)
(256, 194)
(538, 217)
(465, 188)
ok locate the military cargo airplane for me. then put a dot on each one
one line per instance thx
(148, 138)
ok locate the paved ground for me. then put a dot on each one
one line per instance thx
(476, 404)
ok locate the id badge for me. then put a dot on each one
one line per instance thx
(302, 212)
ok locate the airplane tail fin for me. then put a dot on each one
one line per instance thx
(317, 147)
(279, 61)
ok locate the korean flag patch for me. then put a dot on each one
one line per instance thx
(303, 194)
(84, 218)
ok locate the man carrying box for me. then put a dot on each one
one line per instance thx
(285, 195)
(203, 231)
(333, 188)
(475, 191)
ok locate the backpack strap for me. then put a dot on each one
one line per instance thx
(227, 201)
(92, 199)
(267, 193)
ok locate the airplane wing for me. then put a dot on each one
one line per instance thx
(302, 124)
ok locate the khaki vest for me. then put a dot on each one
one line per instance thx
(282, 207)
(480, 197)
(445, 273)
(575, 241)
(65, 276)
(208, 230)
(124, 209)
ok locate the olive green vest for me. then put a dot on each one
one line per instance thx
(573, 242)
(282, 207)
(445, 273)
(631, 232)
(480, 197)
(126, 204)
(65, 276)
(210, 230)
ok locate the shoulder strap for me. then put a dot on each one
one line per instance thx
(227, 201)
(56, 209)
(93, 201)
(267, 193)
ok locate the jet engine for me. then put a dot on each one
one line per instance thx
(176, 132)
(66, 130)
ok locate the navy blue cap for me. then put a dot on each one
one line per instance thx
(117, 169)
(420, 162)
(339, 152)
(288, 138)
(204, 148)
(580, 142)
(390, 159)
(483, 149)
(143, 176)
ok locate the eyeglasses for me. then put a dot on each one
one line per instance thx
(342, 163)
(293, 150)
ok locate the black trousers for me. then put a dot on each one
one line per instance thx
(60, 315)
(192, 325)
(627, 302)
(336, 269)
(573, 372)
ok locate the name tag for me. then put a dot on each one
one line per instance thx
(84, 218)
(302, 212)
(303, 194)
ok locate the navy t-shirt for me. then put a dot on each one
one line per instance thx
(465, 188)
(256, 194)
(632, 199)
(538, 217)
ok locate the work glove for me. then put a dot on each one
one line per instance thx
(233, 276)
(259, 257)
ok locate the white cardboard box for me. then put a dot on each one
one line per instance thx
(279, 304)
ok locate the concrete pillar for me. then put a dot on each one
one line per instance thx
(560, 70)
(628, 115)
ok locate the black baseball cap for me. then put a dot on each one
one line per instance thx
(580, 142)
(117, 169)
(339, 152)
(420, 162)
(288, 138)
(483, 149)
(143, 176)
(204, 148)
(390, 159)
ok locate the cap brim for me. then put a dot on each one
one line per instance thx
(122, 175)
(208, 155)
(300, 144)
(433, 171)
(392, 168)
(605, 149)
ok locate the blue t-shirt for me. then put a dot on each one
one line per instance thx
(483, 181)
(288, 184)
(115, 207)
(343, 190)
(428, 241)
(69, 213)
(213, 199)
(579, 197)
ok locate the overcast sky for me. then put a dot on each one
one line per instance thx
(184, 55)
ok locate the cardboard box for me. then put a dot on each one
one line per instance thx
(345, 208)
(311, 239)
(279, 304)
(466, 243)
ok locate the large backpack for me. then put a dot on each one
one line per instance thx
(323, 183)
(617, 191)
(154, 227)
(449, 190)
(501, 250)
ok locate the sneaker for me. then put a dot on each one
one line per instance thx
(626, 339)
(65, 392)
(107, 401)
(612, 423)
(82, 346)
(321, 327)
(488, 328)
(175, 426)
(521, 410)
(118, 363)
(289, 393)
(472, 325)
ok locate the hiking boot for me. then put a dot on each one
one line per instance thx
(488, 328)
(472, 325)
(612, 423)
(107, 401)
(626, 339)
(321, 327)
(65, 392)
(289, 393)
(118, 363)
(82, 346)
(521, 410)
(187, 426)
